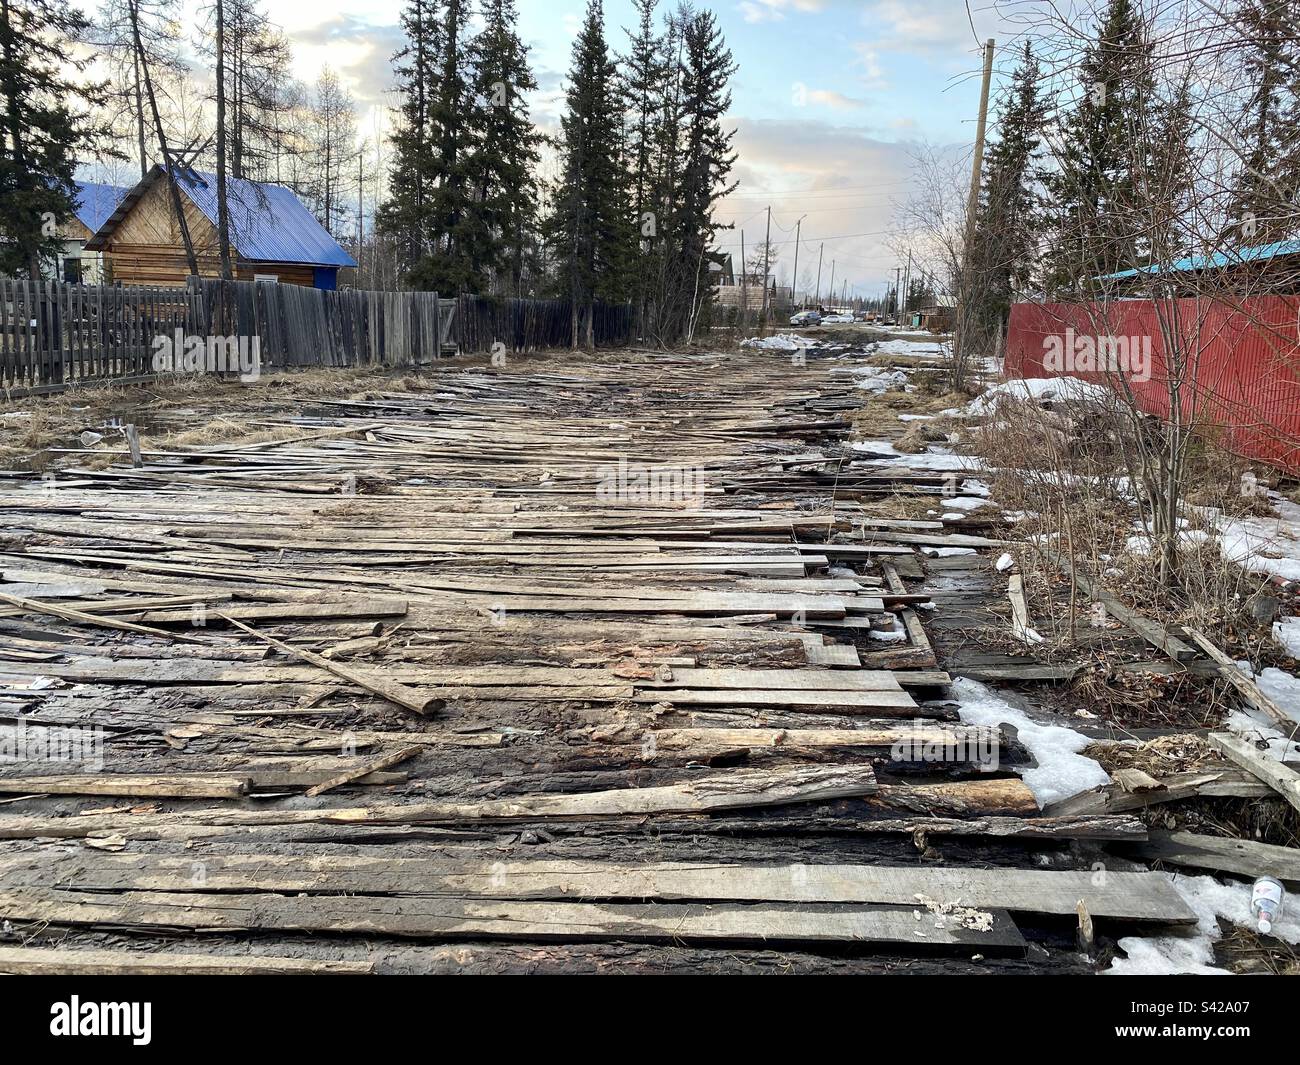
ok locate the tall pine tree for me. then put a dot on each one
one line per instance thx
(1009, 223)
(1101, 147)
(43, 125)
(590, 231)
(505, 157)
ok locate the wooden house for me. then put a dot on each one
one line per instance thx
(95, 202)
(272, 234)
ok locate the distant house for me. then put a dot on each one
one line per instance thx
(939, 317)
(95, 203)
(273, 236)
(1275, 265)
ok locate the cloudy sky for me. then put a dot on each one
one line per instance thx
(830, 100)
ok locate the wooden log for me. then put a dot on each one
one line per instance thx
(1007, 797)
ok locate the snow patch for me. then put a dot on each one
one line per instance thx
(779, 342)
(1061, 770)
(1040, 390)
(1287, 633)
(1194, 954)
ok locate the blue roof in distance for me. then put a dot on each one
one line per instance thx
(1236, 257)
(95, 202)
(268, 223)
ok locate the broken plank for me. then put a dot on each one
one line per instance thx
(1244, 857)
(400, 694)
(1259, 764)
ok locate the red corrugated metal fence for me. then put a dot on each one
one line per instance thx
(1244, 366)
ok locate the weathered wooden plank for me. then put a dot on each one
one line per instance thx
(1259, 764)
(894, 702)
(873, 680)
(1136, 896)
(1244, 857)
(734, 789)
(41, 961)
(427, 918)
(136, 785)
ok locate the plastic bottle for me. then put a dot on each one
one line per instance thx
(1266, 902)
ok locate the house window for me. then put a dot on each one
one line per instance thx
(72, 270)
(267, 277)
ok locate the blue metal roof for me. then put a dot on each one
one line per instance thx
(95, 202)
(268, 223)
(1235, 257)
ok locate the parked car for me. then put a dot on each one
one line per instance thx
(805, 318)
(837, 319)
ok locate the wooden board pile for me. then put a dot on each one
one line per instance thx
(581, 666)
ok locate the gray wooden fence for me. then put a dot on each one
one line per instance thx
(53, 335)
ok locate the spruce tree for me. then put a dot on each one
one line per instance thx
(1263, 207)
(1009, 223)
(43, 125)
(590, 230)
(458, 235)
(1101, 152)
(708, 158)
(643, 75)
(504, 204)
(407, 214)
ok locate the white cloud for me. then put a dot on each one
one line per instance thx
(918, 26)
(830, 98)
(774, 10)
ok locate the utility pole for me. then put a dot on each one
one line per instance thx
(965, 293)
(830, 291)
(744, 287)
(767, 248)
(898, 280)
(817, 299)
(794, 287)
(977, 159)
(907, 280)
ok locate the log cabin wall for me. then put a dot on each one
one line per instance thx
(147, 248)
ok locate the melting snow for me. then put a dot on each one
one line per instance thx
(1061, 770)
(779, 342)
(1267, 545)
(1287, 633)
(1040, 390)
(1194, 954)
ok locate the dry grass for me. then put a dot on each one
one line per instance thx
(1160, 757)
(29, 426)
(1065, 468)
